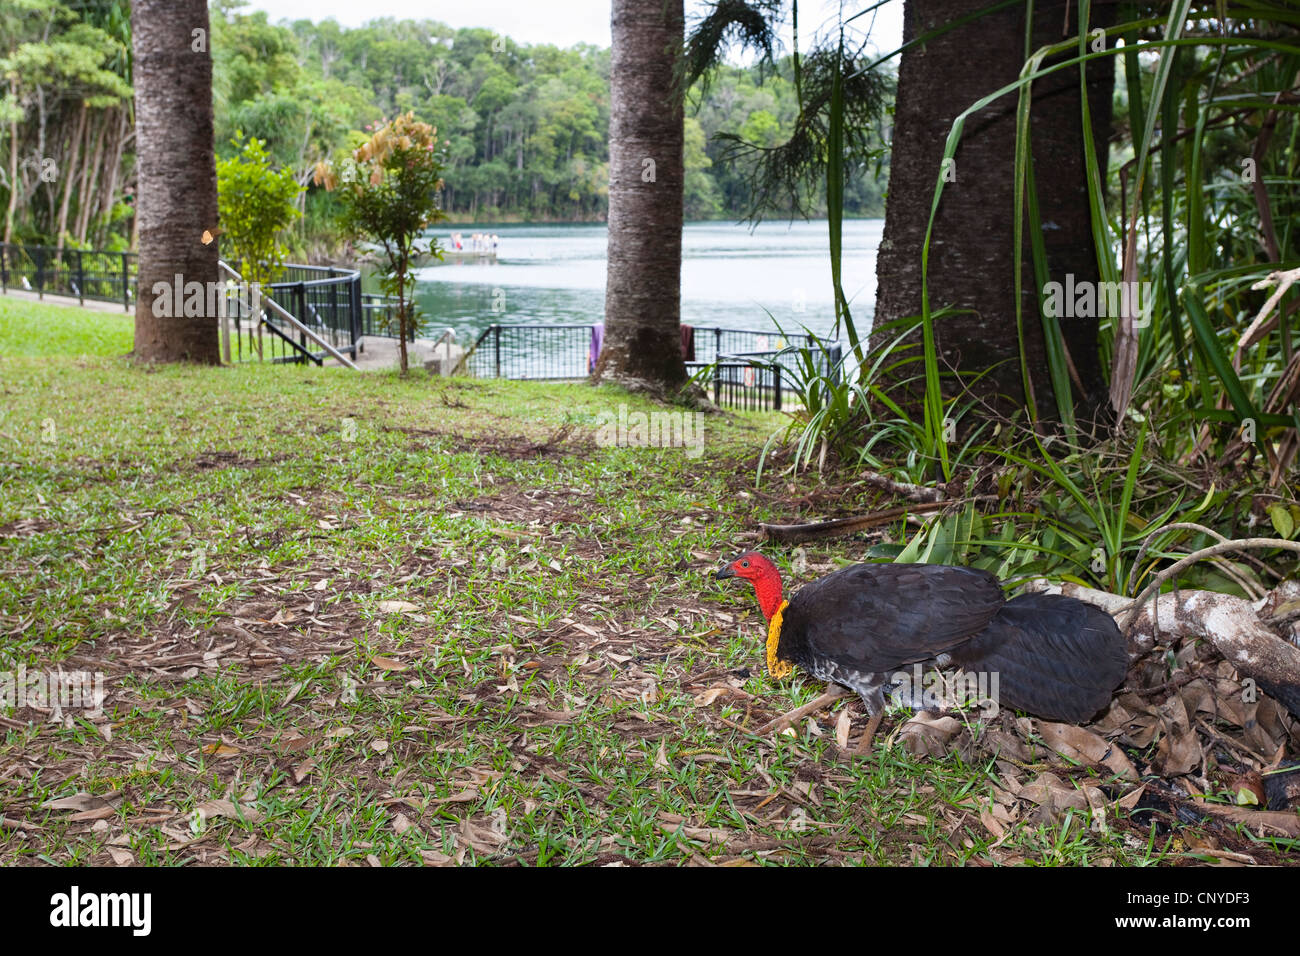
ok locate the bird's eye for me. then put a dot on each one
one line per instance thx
(744, 564)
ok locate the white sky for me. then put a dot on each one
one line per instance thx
(560, 22)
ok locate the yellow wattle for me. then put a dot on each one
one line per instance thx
(775, 667)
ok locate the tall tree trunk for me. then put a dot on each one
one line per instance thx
(176, 194)
(71, 164)
(642, 343)
(971, 251)
(109, 195)
(13, 167)
(91, 177)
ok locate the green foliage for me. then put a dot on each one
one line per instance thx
(1203, 117)
(63, 67)
(388, 189)
(837, 407)
(522, 130)
(256, 204)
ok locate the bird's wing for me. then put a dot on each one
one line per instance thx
(1055, 656)
(877, 617)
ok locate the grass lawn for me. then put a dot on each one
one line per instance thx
(349, 618)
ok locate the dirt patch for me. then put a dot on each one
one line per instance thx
(26, 528)
(559, 444)
(212, 460)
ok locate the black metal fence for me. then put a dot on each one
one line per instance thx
(530, 352)
(745, 368)
(379, 316)
(326, 300)
(79, 273)
(262, 338)
(742, 368)
(749, 385)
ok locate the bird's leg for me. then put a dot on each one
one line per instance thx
(835, 692)
(864, 742)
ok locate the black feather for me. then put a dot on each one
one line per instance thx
(1055, 657)
(878, 617)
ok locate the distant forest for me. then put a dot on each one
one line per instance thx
(523, 129)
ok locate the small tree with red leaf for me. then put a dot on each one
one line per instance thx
(388, 188)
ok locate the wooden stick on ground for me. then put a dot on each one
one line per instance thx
(834, 693)
(798, 533)
(1224, 546)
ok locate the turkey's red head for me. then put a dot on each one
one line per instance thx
(760, 572)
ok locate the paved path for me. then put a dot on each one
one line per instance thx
(96, 305)
(382, 353)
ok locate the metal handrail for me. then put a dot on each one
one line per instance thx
(300, 326)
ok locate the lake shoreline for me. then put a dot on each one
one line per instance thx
(772, 278)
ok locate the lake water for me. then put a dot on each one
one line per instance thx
(731, 277)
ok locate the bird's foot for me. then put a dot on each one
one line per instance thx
(864, 742)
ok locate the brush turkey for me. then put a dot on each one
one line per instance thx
(1054, 656)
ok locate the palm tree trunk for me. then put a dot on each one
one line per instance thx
(971, 252)
(642, 343)
(176, 194)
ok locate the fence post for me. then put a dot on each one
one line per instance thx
(717, 343)
(717, 382)
(40, 273)
(354, 296)
(81, 279)
(4, 267)
(776, 398)
(126, 286)
(302, 317)
(496, 335)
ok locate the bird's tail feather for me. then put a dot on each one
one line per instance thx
(1055, 656)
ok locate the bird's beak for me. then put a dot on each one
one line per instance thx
(726, 571)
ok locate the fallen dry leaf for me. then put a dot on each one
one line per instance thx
(88, 807)
(842, 724)
(661, 760)
(229, 809)
(927, 734)
(219, 750)
(705, 698)
(1083, 746)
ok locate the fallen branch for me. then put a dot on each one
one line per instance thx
(1284, 822)
(1146, 543)
(1224, 546)
(902, 488)
(798, 533)
(833, 693)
